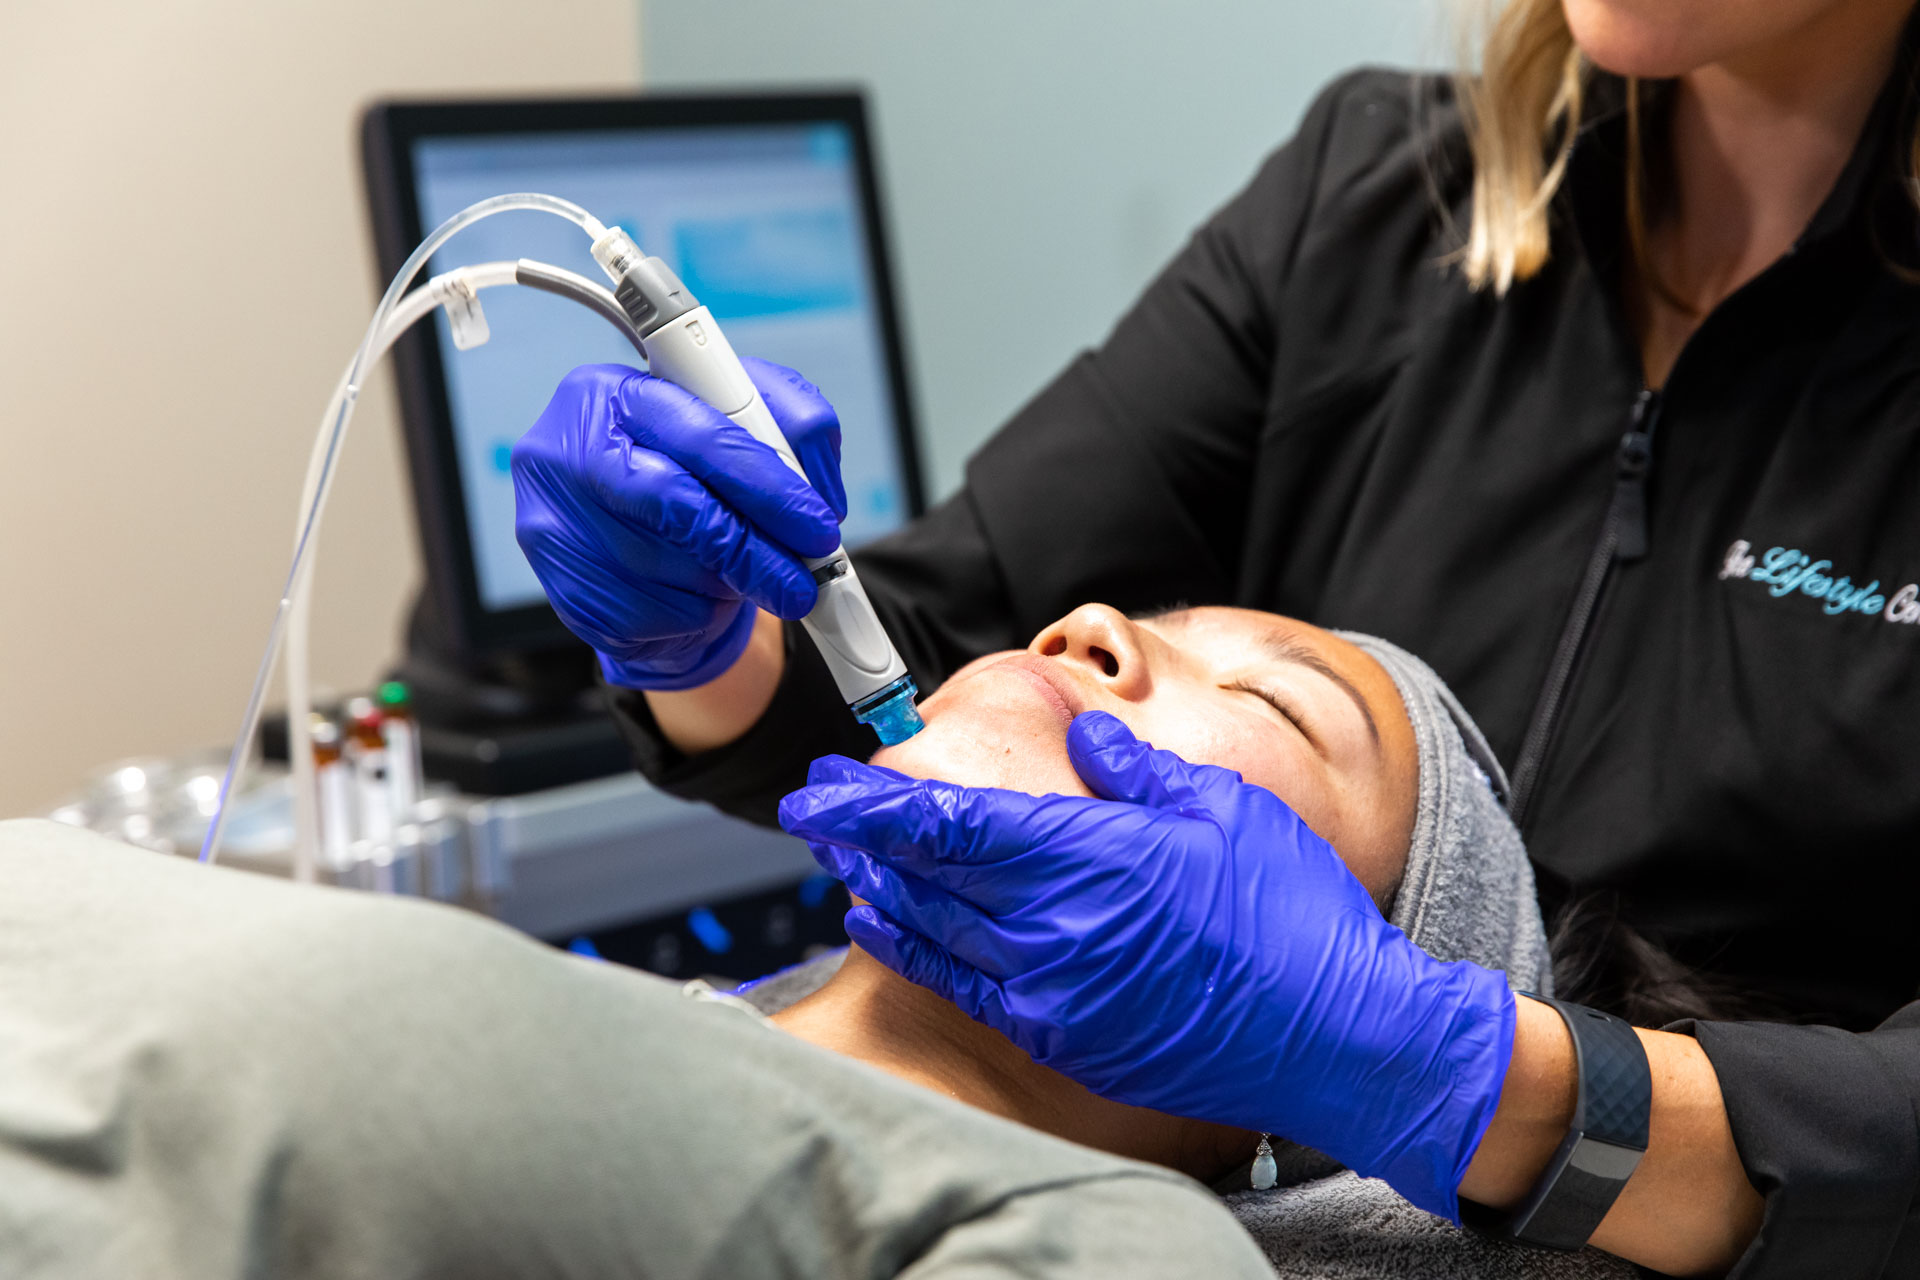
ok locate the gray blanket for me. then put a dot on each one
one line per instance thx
(209, 1075)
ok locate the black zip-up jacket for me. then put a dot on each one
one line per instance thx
(1686, 620)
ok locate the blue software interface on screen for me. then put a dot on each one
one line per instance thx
(764, 224)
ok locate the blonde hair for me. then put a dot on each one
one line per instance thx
(1522, 107)
(1525, 100)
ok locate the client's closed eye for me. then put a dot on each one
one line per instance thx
(1277, 702)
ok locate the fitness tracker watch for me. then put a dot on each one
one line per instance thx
(1602, 1147)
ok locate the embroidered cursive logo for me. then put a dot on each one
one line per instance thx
(1786, 571)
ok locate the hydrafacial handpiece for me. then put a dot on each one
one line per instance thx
(685, 346)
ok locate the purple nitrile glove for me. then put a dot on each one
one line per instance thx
(1185, 944)
(652, 521)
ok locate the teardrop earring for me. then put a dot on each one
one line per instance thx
(1265, 1171)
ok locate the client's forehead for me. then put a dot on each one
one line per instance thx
(1230, 635)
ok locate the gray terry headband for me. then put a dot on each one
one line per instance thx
(1467, 892)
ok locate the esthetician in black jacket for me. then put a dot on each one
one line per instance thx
(1593, 381)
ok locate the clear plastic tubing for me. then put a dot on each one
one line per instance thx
(411, 309)
(442, 290)
(332, 433)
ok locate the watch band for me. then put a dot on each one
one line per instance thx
(1603, 1145)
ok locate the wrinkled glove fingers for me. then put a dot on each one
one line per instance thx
(925, 964)
(923, 907)
(1115, 765)
(969, 932)
(658, 496)
(744, 473)
(810, 424)
(583, 571)
(925, 827)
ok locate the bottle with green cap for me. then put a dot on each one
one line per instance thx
(405, 774)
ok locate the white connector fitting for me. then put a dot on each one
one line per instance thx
(615, 251)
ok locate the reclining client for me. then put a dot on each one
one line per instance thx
(204, 1073)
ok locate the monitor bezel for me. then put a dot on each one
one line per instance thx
(389, 130)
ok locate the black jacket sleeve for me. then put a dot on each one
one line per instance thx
(1126, 481)
(1827, 1124)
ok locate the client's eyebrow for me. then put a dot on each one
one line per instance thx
(1282, 647)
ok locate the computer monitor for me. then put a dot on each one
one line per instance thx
(766, 206)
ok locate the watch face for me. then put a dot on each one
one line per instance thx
(1604, 1159)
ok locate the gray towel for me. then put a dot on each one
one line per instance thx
(1467, 894)
(1345, 1227)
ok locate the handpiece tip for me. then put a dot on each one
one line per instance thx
(894, 718)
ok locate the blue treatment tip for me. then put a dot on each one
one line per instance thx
(891, 712)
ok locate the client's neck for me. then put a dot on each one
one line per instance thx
(870, 1013)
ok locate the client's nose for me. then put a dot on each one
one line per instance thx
(1104, 644)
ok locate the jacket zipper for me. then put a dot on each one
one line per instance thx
(1622, 540)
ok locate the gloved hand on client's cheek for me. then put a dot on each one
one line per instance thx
(1185, 944)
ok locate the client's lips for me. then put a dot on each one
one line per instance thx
(1053, 685)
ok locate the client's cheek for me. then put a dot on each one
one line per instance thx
(1225, 736)
(1281, 761)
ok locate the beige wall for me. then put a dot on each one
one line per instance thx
(154, 414)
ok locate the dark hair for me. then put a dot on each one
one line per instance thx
(1603, 962)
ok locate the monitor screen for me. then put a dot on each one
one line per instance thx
(763, 221)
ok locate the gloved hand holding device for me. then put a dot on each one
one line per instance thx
(653, 521)
(1186, 944)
